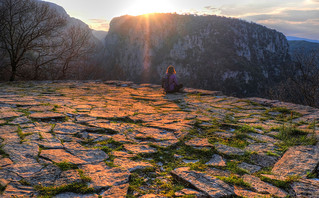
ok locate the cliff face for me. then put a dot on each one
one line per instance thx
(208, 52)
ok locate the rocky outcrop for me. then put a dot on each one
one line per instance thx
(301, 160)
(144, 143)
(211, 186)
(217, 53)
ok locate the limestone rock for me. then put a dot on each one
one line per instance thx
(247, 193)
(218, 172)
(46, 116)
(119, 191)
(74, 195)
(67, 177)
(263, 160)
(228, 150)
(15, 189)
(45, 177)
(189, 192)
(249, 167)
(137, 148)
(300, 160)
(5, 162)
(104, 177)
(68, 128)
(224, 134)
(60, 155)
(22, 153)
(216, 160)
(10, 114)
(262, 148)
(88, 155)
(199, 142)
(209, 185)
(122, 154)
(263, 138)
(25, 169)
(131, 165)
(263, 187)
(306, 188)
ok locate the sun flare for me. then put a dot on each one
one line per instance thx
(139, 7)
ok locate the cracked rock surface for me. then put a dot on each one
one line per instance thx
(120, 139)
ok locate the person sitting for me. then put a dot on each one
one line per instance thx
(169, 82)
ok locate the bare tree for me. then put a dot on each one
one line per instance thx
(301, 84)
(26, 28)
(77, 48)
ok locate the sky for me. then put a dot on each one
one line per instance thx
(298, 18)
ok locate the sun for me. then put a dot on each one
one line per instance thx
(139, 7)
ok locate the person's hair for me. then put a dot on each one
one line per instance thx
(170, 70)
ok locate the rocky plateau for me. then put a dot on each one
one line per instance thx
(120, 139)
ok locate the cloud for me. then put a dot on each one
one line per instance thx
(302, 23)
(99, 24)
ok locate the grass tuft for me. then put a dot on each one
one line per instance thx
(65, 165)
(50, 191)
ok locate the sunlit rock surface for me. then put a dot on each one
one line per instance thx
(118, 139)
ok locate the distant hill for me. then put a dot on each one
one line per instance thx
(293, 38)
(208, 52)
(99, 34)
(305, 46)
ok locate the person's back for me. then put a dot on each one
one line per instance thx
(170, 83)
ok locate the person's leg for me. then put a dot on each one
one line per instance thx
(178, 87)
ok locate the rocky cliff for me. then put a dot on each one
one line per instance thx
(119, 139)
(208, 52)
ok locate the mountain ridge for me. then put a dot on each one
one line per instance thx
(236, 56)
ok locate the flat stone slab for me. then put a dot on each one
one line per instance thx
(209, 185)
(189, 192)
(5, 162)
(20, 120)
(22, 153)
(104, 177)
(60, 155)
(131, 165)
(216, 160)
(263, 138)
(25, 169)
(247, 193)
(15, 189)
(122, 154)
(263, 187)
(74, 195)
(262, 148)
(218, 172)
(224, 134)
(138, 148)
(156, 134)
(68, 128)
(110, 114)
(41, 108)
(46, 116)
(306, 188)
(228, 150)
(91, 156)
(199, 142)
(119, 191)
(45, 177)
(111, 127)
(249, 167)
(10, 114)
(263, 160)
(300, 160)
